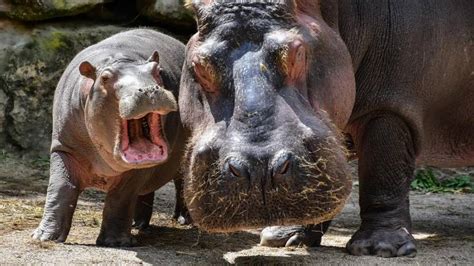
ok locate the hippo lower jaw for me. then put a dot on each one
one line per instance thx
(143, 141)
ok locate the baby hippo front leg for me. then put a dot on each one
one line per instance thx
(61, 200)
(118, 214)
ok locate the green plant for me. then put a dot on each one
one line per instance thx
(426, 181)
(41, 162)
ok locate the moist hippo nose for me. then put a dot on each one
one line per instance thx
(237, 168)
(149, 90)
(281, 167)
(146, 100)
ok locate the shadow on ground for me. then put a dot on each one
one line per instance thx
(443, 227)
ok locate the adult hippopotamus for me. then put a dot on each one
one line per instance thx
(269, 86)
(115, 128)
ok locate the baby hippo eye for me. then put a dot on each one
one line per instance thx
(205, 74)
(156, 72)
(106, 76)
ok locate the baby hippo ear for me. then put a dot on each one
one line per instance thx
(87, 70)
(155, 57)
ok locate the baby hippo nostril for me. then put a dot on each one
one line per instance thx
(281, 167)
(236, 169)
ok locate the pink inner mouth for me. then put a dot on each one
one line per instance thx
(143, 141)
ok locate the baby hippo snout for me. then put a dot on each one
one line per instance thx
(145, 100)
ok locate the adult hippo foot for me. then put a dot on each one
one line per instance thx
(116, 241)
(382, 243)
(286, 236)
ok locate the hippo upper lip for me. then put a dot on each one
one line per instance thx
(141, 115)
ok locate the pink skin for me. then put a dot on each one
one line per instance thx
(144, 150)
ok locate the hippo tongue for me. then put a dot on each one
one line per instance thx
(142, 140)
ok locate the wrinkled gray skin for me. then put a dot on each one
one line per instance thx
(413, 65)
(122, 78)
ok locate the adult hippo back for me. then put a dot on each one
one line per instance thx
(268, 86)
(115, 128)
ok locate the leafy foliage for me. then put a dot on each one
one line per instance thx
(426, 181)
(41, 162)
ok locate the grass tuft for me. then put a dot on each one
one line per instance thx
(426, 181)
(41, 163)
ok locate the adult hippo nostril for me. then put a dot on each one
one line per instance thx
(281, 167)
(282, 163)
(236, 168)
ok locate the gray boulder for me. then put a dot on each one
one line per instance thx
(171, 12)
(31, 63)
(28, 10)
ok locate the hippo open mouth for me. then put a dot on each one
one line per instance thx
(143, 140)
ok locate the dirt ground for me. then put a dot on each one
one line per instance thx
(443, 224)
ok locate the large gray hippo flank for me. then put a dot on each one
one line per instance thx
(268, 87)
(115, 128)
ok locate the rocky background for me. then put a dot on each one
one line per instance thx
(38, 38)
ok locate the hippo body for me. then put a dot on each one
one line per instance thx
(266, 109)
(415, 87)
(115, 128)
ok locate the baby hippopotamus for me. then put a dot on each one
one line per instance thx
(115, 128)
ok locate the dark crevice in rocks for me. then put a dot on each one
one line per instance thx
(8, 123)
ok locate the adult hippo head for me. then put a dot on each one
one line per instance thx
(129, 102)
(264, 90)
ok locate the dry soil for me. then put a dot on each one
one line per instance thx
(443, 228)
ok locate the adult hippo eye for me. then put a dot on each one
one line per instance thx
(293, 60)
(205, 74)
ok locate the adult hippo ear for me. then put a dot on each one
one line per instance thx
(155, 57)
(190, 96)
(199, 9)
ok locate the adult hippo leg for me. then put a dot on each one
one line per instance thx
(386, 164)
(143, 211)
(181, 213)
(285, 236)
(61, 200)
(117, 216)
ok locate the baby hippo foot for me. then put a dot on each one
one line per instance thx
(285, 236)
(116, 240)
(50, 232)
(382, 243)
(141, 224)
(143, 211)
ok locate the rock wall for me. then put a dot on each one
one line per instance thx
(39, 38)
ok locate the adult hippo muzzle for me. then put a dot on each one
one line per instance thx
(262, 107)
